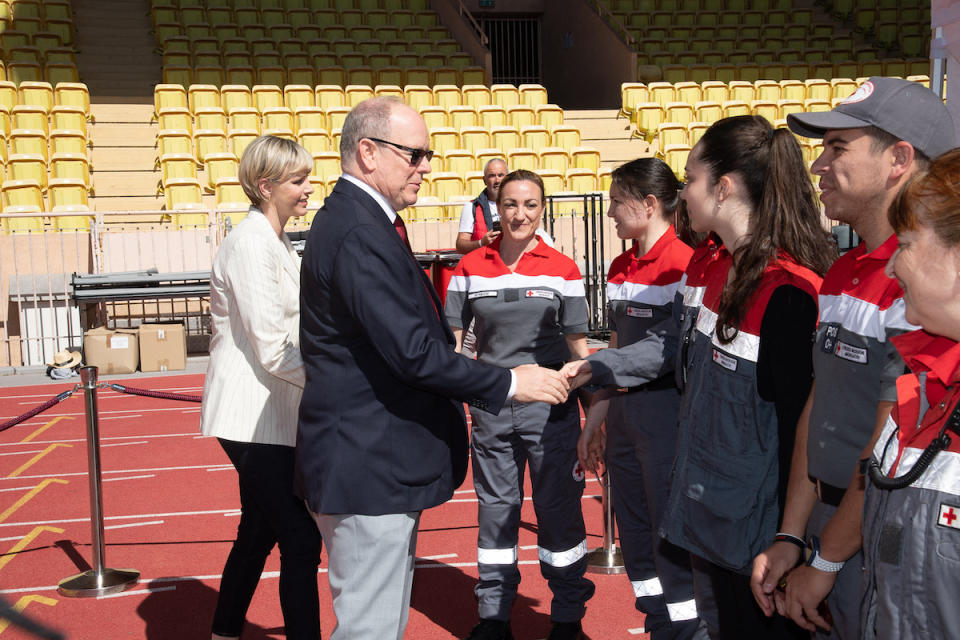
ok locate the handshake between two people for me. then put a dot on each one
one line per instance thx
(539, 384)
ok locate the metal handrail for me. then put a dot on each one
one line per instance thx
(465, 13)
(614, 22)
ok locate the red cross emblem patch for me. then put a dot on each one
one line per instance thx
(949, 516)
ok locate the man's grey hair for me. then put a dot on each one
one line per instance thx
(491, 161)
(369, 119)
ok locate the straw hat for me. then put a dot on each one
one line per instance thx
(65, 359)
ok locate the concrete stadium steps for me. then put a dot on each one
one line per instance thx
(601, 129)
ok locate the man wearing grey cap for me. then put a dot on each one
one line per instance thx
(873, 142)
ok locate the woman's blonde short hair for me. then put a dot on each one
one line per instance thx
(271, 158)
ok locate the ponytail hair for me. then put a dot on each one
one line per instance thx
(785, 213)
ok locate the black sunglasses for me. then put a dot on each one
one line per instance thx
(415, 154)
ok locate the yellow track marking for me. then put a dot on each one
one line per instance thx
(22, 603)
(29, 496)
(20, 546)
(29, 463)
(45, 427)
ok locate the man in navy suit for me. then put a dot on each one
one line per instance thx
(382, 433)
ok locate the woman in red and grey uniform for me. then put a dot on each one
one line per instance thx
(641, 422)
(749, 366)
(911, 516)
(528, 302)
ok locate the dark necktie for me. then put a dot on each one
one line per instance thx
(401, 230)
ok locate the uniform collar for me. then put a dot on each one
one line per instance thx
(540, 250)
(883, 252)
(925, 352)
(665, 239)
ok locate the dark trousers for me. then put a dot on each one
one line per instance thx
(270, 515)
(725, 603)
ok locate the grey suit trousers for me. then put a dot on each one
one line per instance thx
(370, 572)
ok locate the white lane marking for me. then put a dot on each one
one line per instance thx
(116, 471)
(525, 499)
(134, 524)
(440, 557)
(527, 547)
(18, 489)
(136, 516)
(104, 439)
(122, 444)
(150, 475)
(137, 592)
(17, 453)
(637, 631)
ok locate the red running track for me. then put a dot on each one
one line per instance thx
(170, 503)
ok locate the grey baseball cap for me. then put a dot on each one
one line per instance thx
(904, 109)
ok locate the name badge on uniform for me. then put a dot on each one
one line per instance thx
(724, 360)
(538, 293)
(949, 516)
(639, 312)
(830, 339)
(482, 294)
(850, 352)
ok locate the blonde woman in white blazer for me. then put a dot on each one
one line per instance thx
(253, 386)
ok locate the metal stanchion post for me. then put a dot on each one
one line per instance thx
(98, 581)
(608, 558)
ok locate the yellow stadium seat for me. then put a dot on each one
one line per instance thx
(233, 96)
(326, 165)
(505, 95)
(767, 90)
(549, 115)
(27, 166)
(742, 90)
(765, 108)
(632, 93)
(230, 195)
(672, 133)
(793, 90)
(675, 155)
(174, 118)
(715, 91)
(36, 93)
(662, 93)
(474, 138)
(523, 158)
(68, 117)
(505, 137)
(177, 165)
(533, 95)
(278, 118)
(29, 141)
(585, 158)
(335, 117)
(217, 166)
(447, 96)
(308, 117)
(458, 161)
(298, 95)
(174, 141)
(76, 166)
(521, 115)
(443, 139)
(330, 96)
(491, 153)
(460, 116)
(314, 140)
(239, 139)
(244, 118)
(565, 136)
(472, 75)
(708, 111)
(648, 115)
(842, 87)
(476, 95)
(736, 108)
(389, 90)
(73, 94)
(492, 116)
(534, 136)
(473, 181)
(786, 107)
(816, 104)
(23, 196)
(433, 116)
(818, 89)
(27, 116)
(68, 195)
(680, 112)
(266, 96)
(207, 141)
(203, 95)
(554, 159)
(552, 181)
(68, 141)
(446, 184)
(417, 75)
(417, 95)
(582, 180)
(695, 131)
(210, 118)
(689, 92)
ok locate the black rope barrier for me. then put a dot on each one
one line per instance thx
(151, 394)
(39, 409)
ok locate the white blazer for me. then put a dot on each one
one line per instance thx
(255, 375)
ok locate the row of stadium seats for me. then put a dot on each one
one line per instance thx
(706, 5)
(335, 75)
(11, 10)
(324, 96)
(243, 16)
(674, 135)
(340, 5)
(308, 35)
(778, 70)
(26, 196)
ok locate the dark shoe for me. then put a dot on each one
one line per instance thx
(491, 630)
(566, 631)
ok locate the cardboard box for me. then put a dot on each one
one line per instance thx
(111, 350)
(163, 347)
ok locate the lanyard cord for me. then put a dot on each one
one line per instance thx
(941, 442)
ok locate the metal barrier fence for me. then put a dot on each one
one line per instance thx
(38, 316)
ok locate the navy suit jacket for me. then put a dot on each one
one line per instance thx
(382, 427)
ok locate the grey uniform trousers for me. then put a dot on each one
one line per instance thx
(544, 437)
(641, 443)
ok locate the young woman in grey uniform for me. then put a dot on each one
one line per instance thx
(529, 306)
(641, 422)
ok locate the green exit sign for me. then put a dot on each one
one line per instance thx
(487, 4)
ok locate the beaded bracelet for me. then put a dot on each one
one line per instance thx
(789, 537)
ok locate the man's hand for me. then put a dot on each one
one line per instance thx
(590, 447)
(536, 384)
(806, 589)
(768, 567)
(577, 372)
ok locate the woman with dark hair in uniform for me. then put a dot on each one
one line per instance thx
(641, 421)
(528, 303)
(749, 364)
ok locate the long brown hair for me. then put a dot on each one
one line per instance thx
(785, 214)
